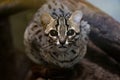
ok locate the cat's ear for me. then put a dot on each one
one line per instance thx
(76, 16)
(46, 19)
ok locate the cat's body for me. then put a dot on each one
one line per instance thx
(56, 36)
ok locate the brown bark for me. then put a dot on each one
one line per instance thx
(105, 31)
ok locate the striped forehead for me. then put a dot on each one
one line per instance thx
(62, 27)
(62, 22)
(57, 9)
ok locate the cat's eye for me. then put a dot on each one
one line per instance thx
(53, 33)
(71, 32)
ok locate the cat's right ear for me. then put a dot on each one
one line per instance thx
(46, 19)
(76, 17)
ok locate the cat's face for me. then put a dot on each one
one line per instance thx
(63, 32)
(59, 41)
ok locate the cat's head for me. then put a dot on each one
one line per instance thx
(62, 31)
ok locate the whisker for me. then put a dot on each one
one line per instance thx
(47, 46)
(71, 42)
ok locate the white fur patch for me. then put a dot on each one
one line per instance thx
(76, 16)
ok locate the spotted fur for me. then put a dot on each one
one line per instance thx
(56, 35)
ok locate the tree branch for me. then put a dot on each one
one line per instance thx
(10, 7)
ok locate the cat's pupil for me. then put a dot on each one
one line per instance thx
(53, 33)
(70, 32)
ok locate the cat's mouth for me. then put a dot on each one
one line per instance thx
(62, 46)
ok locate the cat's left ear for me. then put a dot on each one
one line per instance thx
(46, 19)
(76, 17)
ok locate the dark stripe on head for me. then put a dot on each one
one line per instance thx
(55, 15)
(66, 23)
(57, 23)
(62, 12)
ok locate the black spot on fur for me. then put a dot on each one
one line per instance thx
(55, 54)
(34, 27)
(40, 37)
(62, 6)
(73, 51)
(49, 6)
(37, 31)
(86, 38)
(54, 9)
(35, 46)
(54, 15)
(54, 2)
(62, 12)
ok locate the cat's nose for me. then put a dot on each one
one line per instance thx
(62, 42)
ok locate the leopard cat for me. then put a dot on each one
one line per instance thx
(56, 35)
